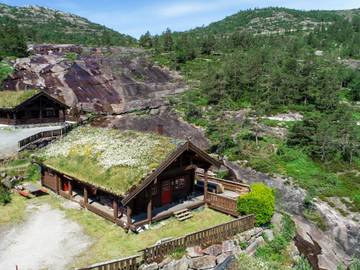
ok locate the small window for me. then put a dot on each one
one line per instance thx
(179, 183)
(154, 190)
(49, 112)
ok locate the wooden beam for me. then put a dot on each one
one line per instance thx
(149, 210)
(128, 214)
(86, 197)
(205, 185)
(70, 188)
(116, 208)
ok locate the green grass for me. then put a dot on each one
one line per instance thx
(275, 252)
(112, 242)
(108, 158)
(5, 71)
(13, 212)
(10, 99)
(316, 218)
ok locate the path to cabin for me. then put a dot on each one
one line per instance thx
(10, 136)
(46, 239)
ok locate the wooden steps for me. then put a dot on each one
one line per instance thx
(183, 214)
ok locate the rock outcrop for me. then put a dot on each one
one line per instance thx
(108, 80)
(324, 249)
(160, 120)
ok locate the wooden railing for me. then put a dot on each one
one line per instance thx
(129, 263)
(222, 204)
(158, 252)
(204, 238)
(228, 184)
(44, 134)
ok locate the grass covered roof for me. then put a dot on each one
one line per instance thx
(11, 99)
(111, 159)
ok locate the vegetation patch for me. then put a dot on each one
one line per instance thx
(14, 211)
(260, 201)
(10, 99)
(275, 251)
(108, 158)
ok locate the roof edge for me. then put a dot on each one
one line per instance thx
(173, 156)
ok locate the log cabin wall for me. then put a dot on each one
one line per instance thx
(50, 180)
(37, 111)
(176, 183)
(40, 110)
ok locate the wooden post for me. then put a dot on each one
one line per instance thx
(205, 185)
(128, 214)
(70, 188)
(86, 198)
(149, 210)
(116, 208)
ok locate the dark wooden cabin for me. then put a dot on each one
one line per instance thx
(171, 187)
(30, 107)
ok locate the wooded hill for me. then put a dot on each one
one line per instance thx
(43, 25)
(259, 63)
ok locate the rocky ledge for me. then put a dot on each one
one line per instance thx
(107, 80)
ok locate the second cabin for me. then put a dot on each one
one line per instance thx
(30, 107)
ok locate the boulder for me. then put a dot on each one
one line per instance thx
(222, 257)
(152, 266)
(181, 264)
(269, 235)
(228, 246)
(194, 252)
(214, 250)
(276, 221)
(202, 263)
(251, 249)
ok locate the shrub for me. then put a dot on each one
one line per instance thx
(302, 264)
(260, 201)
(4, 195)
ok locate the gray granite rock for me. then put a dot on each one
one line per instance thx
(251, 249)
(202, 263)
(194, 252)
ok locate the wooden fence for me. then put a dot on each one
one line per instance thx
(204, 238)
(44, 134)
(128, 263)
(222, 203)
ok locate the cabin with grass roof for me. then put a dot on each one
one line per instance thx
(30, 107)
(133, 178)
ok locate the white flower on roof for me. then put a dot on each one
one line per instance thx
(110, 148)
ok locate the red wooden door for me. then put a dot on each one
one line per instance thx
(165, 192)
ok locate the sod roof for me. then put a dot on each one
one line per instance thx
(107, 158)
(11, 99)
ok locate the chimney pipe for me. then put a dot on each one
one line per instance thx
(160, 129)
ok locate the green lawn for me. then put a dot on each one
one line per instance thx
(111, 241)
(13, 212)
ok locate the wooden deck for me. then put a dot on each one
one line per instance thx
(224, 201)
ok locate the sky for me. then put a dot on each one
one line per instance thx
(138, 16)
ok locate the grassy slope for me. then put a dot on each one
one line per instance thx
(43, 25)
(333, 179)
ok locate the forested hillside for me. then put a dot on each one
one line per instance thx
(43, 25)
(261, 63)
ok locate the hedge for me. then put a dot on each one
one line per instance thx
(260, 201)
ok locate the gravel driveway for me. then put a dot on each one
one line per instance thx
(9, 138)
(46, 240)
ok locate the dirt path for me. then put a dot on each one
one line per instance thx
(46, 240)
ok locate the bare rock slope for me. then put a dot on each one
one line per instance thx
(109, 80)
